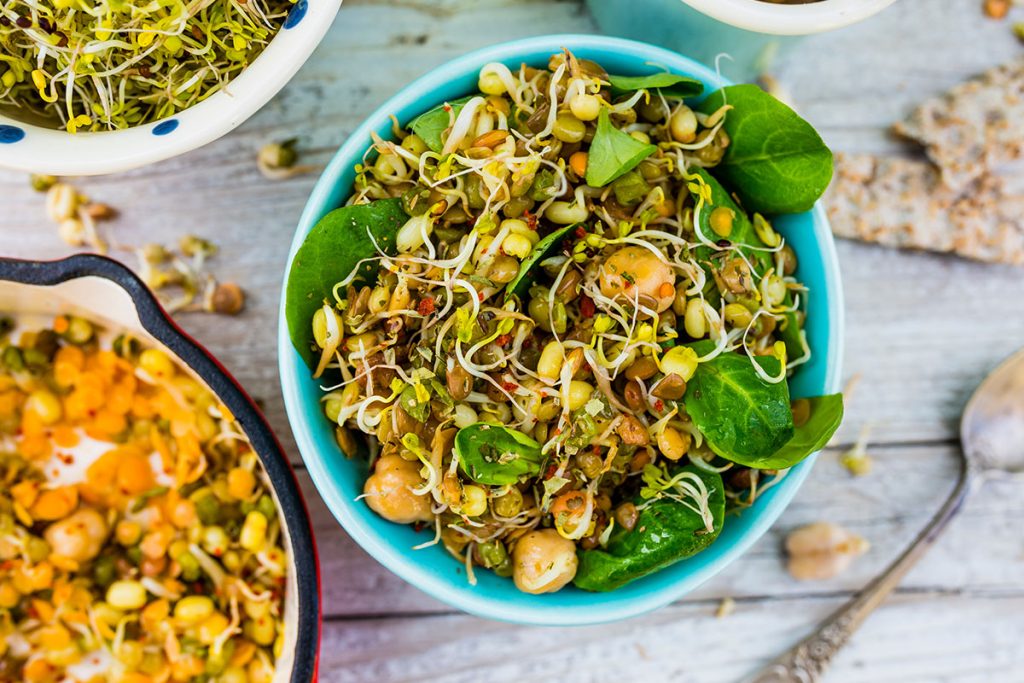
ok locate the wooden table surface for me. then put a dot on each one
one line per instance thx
(922, 331)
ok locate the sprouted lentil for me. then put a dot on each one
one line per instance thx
(160, 559)
(102, 64)
(586, 362)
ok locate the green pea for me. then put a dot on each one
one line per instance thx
(34, 359)
(505, 568)
(266, 505)
(492, 553)
(13, 359)
(553, 319)
(208, 509)
(190, 570)
(509, 504)
(216, 662)
(104, 571)
(79, 331)
(134, 554)
(542, 186)
(630, 189)
(568, 128)
(125, 346)
(38, 549)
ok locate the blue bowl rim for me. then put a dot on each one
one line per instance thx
(291, 363)
(156, 321)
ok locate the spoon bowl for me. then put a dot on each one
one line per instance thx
(992, 427)
(991, 434)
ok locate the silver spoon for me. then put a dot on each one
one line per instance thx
(991, 434)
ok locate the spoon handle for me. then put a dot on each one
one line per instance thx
(807, 661)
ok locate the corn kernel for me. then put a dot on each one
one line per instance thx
(156, 363)
(241, 483)
(126, 595)
(211, 627)
(45, 405)
(474, 501)
(579, 394)
(254, 531)
(550, 363)
(680, 360)
(193, 609)
(516, 245)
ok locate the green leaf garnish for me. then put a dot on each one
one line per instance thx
(776, 161)
(495, 455)
(331, 250)
(613, 152)
(432, 124)
(670, 528)
(670, 85)
(743, 418)
(520, 284)
(811, 436)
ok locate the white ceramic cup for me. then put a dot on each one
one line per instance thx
(37, 149)
(751, 32)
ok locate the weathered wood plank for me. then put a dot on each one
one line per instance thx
(913, 639)
(983, 550)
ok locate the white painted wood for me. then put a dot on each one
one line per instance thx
(913, 639)
(922, 331)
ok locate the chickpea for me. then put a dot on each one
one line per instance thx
(634, 270)
(543, 562)
(388, 491)
(78, 537)
(683, 125)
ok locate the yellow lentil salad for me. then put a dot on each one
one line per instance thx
(139, 542)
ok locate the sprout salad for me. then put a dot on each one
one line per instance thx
(556, 320)
(139, 539)
(107, 64)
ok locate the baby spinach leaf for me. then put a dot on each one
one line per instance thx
(743, 418)
(431, 124)
(665, 532)
(613, 152)
(330, 251)
(742, 234)
(811, 436)
(495, 455)
(520, 284)
(670, 85)
(776, 161)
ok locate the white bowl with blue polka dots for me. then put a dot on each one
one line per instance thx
(37, 149)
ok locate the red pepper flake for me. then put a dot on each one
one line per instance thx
(659, 405)
(550, 472)
(480, 296)
(580, 232)
(587, 307)
(503, 340)
(509, 386)
(531, 220)
(425, 306)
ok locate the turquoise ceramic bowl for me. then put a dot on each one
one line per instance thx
(432, 570)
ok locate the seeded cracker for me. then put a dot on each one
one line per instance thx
(903, 203)
(975, 127)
